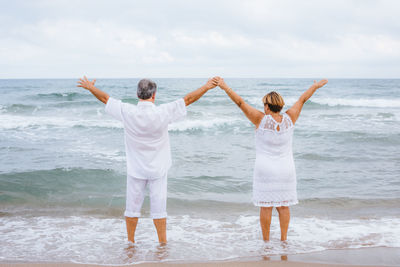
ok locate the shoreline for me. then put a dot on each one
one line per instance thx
(378, 256)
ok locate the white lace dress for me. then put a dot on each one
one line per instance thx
(274, 180)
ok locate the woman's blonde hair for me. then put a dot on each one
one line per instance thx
(274, 101)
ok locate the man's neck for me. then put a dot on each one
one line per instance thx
(147, 100)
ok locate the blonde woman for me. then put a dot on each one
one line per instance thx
(274, 179)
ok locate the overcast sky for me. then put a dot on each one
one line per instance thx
(66, 39)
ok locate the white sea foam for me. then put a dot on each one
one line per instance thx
(102, 241)
(24, 122)
(205, 123)
(12, 121)
(362, 102)
(333, 102)
(45, 122)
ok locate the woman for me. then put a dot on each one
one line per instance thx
(274, 179)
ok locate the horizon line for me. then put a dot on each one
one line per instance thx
(226, 77)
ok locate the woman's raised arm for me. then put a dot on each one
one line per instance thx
(294, 111)
(254, 115)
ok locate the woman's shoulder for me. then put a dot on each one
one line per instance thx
(287, 121)
(288, 117)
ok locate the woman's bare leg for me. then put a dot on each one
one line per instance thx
(161, 227)
(284, 219)
(131, 223)
(265, 221)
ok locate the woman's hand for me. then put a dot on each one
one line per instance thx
(320, 83)
(222, 84)
(212, 83)
(85, 83)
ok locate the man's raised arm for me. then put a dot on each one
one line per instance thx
(89, 85)
(195, 95)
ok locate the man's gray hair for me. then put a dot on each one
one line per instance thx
(146, 88)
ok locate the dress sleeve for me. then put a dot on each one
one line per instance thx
(114, 108)
(175, 111)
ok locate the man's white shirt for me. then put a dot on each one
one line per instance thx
(148, 152)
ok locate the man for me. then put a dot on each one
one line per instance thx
(148, 152)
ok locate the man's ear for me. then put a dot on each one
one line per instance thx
(153, 96)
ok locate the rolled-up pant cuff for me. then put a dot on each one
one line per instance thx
(159, 215)
(132, 214)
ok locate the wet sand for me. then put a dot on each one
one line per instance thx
(380, 256)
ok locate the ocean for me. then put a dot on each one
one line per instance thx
(63, 172)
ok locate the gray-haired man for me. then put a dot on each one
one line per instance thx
(148, 153)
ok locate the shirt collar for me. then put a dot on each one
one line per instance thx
(145, 103)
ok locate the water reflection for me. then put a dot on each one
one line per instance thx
(129, 253)
(162, 252)
(134, 253)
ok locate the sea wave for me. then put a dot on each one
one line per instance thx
(88, 239)
(336, 102)
(105, 188)
(62, 96)
(205, 123)
(49, 108)
(15, 122)
(43, 122)
(272, 84)
(61, 187)
(19, 108)
(362, 102)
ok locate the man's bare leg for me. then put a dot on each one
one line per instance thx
(265, 221)
(161, 227)
(284, 219)
(131, 223)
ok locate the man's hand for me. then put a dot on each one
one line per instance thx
(196, 94)
(320, 83)
(85, 83)
(89, 85)
(212, 83)
(222, 84)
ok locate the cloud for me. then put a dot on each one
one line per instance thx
(211, 38)
(196, 38)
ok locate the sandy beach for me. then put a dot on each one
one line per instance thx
(379, 256)
(209, 264)
(213, 264)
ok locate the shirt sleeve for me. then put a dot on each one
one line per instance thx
(114, 108)
(175, 111)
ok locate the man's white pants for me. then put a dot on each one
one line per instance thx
(135, 193)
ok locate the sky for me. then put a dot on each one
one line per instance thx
(248, 39)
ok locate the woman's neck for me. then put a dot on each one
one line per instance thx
(269, 112)
(276, 115)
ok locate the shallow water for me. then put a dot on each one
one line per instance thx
(62, 172)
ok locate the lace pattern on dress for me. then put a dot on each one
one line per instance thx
(269, 123)
(274, 198)
(275, 203)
